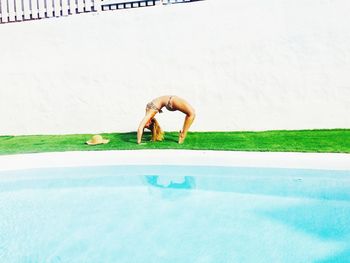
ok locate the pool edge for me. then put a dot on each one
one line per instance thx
(323, 161)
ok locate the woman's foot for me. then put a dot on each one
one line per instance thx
(181, 137)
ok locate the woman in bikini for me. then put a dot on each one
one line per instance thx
(171, 103)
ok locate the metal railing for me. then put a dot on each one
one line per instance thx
(21, 10)
(117, 4)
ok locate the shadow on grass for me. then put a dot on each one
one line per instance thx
(4, 138)
(172, 137)
(129, 137)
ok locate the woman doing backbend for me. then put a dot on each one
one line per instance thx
(171, 103)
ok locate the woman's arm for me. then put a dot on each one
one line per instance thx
(145, 120)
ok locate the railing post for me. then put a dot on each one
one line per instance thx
(97, 5)
(26, 9)
(88, 5)
(41, 8)
(4, 14)
(65, 8)
(11, 10)
(72, 7)
(19, 10)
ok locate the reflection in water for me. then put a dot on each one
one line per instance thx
(105, 214)
(178, 182)
(167, 187)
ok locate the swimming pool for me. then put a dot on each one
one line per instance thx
(173, 213)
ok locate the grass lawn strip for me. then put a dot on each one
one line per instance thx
(325, 141)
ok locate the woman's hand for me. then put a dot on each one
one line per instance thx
(148, 117)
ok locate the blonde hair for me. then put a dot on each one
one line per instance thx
(157, 132)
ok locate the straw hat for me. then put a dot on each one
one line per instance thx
(97, 139)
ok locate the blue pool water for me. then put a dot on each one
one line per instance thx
(174, 214)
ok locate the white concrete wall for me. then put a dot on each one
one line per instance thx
(243, 64)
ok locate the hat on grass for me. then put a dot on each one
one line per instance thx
(97, 139)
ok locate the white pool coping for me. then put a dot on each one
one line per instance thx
(323, 161)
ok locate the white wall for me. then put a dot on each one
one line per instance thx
(243, 64)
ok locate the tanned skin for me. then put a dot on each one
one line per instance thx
(178, 104)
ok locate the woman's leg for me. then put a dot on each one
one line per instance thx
(187, 124)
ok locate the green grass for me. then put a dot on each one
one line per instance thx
(331, 141)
